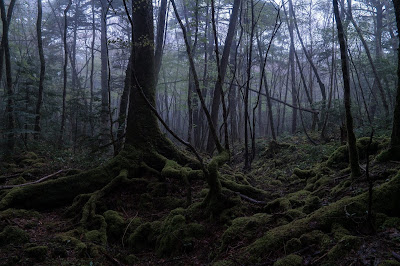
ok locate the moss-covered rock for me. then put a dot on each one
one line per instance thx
(290, 260)
(312, 203)
(293, 245)
(389, 263)
(144, 236)
(38, 252)
(243, 228)
(13, 235)
(316, 237)
(278, 205)
(70, 239)
(304, 174)
(115, 224)
(176, 235)
(96, 236)
(343, 247)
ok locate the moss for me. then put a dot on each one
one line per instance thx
(304, 174)
(339, 231)
(275, 182)
(131, 259)
(321, 182)
(312, 203)
(392, 222)
(243, 228)
(38, 252)
(340, 188)
(176, 235)
(115, 224)
(389, 263)
(13, 235)
(96, 236)
(278, 205)
(343, 247)
(17, 181)
(18, 213)
(157, 189)
(392, 153)
(70, 238)
(290, 260)
(340, 155)
(144, 236)
(293, 245)
(316, 237)
(224, 263)
(294, 214)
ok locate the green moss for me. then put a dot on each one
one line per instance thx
(340, 155)
(278, 205)
(392, 222)
(275, 182)
(70, 239)
(115, 224)
(389, 263)
(96, 236)
(339, 231)
(304, 174)
(294, 214)
(176, 235)
(38, 252)
(312, 203)
(224, 263)
(243, 228)
(316, 237)
(341, 187)
(293, 245)
(290, 260)
(144, 236)
(392, 153)
(13, 235)
(343, 247)
(17, 181)
(132, 259)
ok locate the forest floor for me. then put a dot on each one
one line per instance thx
(311, 212)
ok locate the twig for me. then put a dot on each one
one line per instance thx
(396, 256)
(251, 199)
(34, 182)
(126, 229)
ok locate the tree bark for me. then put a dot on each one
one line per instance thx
(351, 139)
(223, 66)
(104, 72)
(10, 90)
(42, 70)
(160, 37)
(395, 139)
(62, 129)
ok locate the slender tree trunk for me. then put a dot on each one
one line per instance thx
(218, 91)
(292, 69)
(92, 71)
(104, 72)
(395, 139)
(63, 118)
(42, 70)
(351, 139)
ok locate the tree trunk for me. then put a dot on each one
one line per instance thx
(351, 139)
(104, 72)
(10, 90)
(42, 70)
(62, 129)
(292, 69)
(395, 140)
(160, 37)
(223, 66)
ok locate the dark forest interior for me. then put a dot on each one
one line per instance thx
(200, 132)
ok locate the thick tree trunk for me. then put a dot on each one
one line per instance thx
(142, 129)
(92, 71)
(10, 90)
(160, 37)
(42, 70)
(351, 139)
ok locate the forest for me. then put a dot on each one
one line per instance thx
(200, 132)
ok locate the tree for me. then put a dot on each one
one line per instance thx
(6, 19)
(42, 69)
(351, 138)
